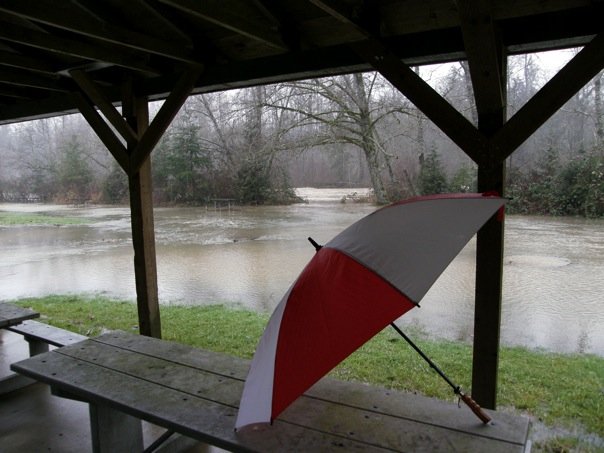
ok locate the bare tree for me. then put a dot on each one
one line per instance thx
(348, 109)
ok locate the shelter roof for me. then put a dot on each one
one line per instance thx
(44, 44)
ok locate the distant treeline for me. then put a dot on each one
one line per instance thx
(573, 187)
(355, 130)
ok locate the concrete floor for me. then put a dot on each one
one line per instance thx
(32, 420)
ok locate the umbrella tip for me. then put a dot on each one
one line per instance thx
(314, 243)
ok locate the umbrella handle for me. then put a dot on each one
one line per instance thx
(473, 405)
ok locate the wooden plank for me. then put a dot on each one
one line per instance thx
(188, 414)
(398, 434)
(509, 428)
(172, 351)
(506, 428)
(12, 314)
(215, 387)
(47, 333)
(430, 411)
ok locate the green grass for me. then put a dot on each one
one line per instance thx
(36, 218)
(560, 390)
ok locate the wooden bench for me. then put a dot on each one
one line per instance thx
(126, 377)
(39, 336)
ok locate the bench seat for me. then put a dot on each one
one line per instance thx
(35, 331)
(38, 336)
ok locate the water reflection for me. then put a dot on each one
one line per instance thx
(250, 256)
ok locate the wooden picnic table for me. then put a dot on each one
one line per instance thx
(12, 315)
(126, 377)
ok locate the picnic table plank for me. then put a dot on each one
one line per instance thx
(11, 314)
(505, 427)
(38, 331)
(182, 411)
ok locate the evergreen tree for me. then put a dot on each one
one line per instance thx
(432, 178)
(73, 172)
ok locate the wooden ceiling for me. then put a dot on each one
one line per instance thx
(46, 45)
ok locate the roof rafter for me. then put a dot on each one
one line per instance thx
(139, 14)
(216, 12)
(16, 60)
(25, 79)
(49, 13)
(112, 54)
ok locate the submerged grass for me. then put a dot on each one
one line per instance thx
(565, 390)
(8, 218)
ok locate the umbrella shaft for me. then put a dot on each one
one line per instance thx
(456, 388)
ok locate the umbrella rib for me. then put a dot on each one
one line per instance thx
(370, 268)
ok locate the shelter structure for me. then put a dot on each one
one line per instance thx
(108, 58)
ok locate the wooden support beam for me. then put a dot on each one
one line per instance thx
(136, 118)
(164, 117)
(103, 131)
(550, 98)
(136, 111)
(488, 68)
(423, 96)
(487, 305)
(95, 94)
(484, 55)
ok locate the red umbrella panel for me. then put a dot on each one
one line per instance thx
(367, 276)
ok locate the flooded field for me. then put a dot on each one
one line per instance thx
(249, 256)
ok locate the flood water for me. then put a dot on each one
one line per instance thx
(249, 256)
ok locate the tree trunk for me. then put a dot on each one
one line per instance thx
(599, 111)
(369, 140)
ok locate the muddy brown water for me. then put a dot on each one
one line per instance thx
(249, 256)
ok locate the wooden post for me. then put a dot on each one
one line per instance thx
(132, 124)
(136, 112)
(114, 431)
(489, 247)
(487, 309)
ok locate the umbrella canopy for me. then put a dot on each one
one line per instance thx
(364, 278)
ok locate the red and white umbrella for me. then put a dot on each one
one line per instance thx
(359, 282)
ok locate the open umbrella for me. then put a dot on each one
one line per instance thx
(359, 282)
